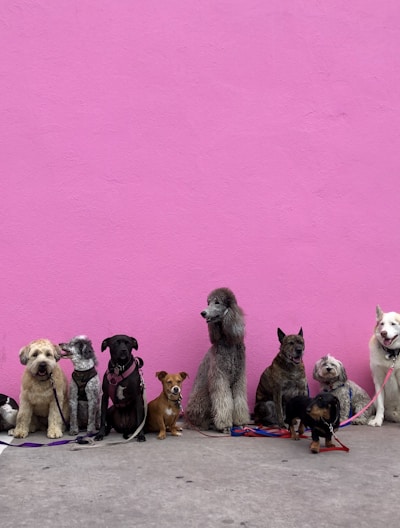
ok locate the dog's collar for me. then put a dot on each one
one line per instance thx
(331, 387)
(119, 372)
(177, 401)
(389, 353)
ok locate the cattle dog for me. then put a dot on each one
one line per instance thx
(321, 414)
(123, 384)
(284, 379)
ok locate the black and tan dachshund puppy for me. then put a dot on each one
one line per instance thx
(321, 414)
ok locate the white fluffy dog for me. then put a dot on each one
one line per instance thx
(332, 377)
(384, 349)
(38, 408)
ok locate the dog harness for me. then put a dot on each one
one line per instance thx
(81, 378)
(114, 379)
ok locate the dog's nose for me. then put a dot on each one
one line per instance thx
(175, 390)
(383, 333)
(203, 313)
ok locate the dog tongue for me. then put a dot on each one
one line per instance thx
(387, 342)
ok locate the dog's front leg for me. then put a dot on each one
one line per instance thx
(221, 403)
(55, 423)
(314, 446)
(140, 417)
(24, 418)
(240, 406)
(92, 392)
(73, 409)
(104, 405)
(377, 420)
(278, 406)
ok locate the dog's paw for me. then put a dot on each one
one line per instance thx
(141, 438)
(54, 433)
(18, 433)
(73, 432)
(162, 436)
(375, 422)
(314, 447)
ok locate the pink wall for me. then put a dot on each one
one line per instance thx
(152, 151)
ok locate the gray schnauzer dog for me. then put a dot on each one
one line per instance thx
(219, 395)
(332, 377)
(84, 391)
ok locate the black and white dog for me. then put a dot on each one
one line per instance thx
(8, 412)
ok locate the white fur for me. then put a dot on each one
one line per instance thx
(386, 338)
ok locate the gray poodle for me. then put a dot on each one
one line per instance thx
(219, 394)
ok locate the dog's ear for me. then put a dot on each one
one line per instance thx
(315, 370)
(134, 343)
(24, 355)
(105, 344)
(281, 335)
(139, 362)
(183, 375)
(161, 374)
(300, 332)
(379, 313)
(342, 372)
(57, 352)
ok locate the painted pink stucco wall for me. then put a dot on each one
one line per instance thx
(152, 151)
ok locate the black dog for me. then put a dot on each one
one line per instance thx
(8, 412)
(321, 414)
(123, 384)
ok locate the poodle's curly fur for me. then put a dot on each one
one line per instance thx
(332, 377)
(219, 393)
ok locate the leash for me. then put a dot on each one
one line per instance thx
(84, 439)
(92, 443)
(57, 401)
(388, 374)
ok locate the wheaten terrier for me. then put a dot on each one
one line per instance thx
(42, 381)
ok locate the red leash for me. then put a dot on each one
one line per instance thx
(388, 374)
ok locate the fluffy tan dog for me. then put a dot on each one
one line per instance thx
(38, 407)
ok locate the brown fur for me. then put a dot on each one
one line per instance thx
(284, 379)
(38, 407)
(163, 411)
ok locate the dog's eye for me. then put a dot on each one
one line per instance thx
(48, 354)
(35, 354)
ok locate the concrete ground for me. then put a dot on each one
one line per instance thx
(203, 481)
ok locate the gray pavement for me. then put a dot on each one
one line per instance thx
(204, 481)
